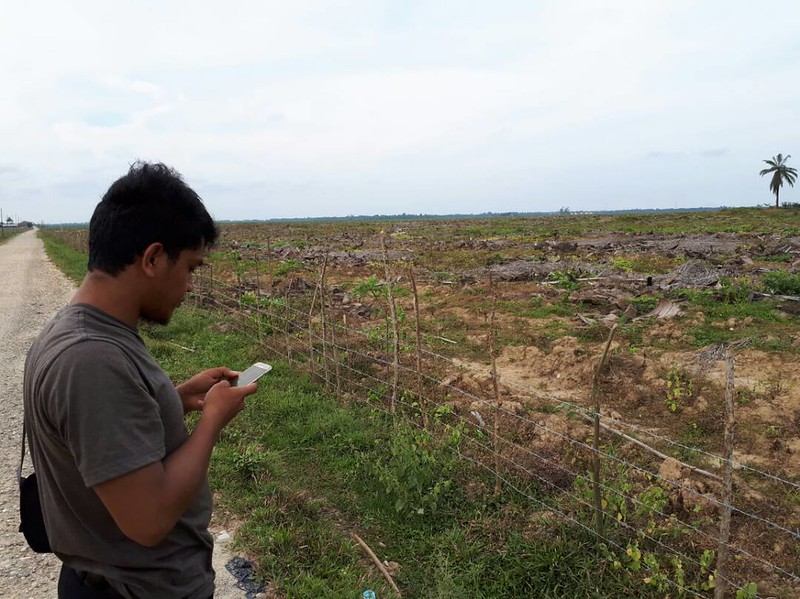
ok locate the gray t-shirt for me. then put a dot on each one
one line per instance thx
(97, 406)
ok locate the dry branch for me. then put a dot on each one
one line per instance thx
(181, 346)
(788, 298)
(653, 450)
(378, 563)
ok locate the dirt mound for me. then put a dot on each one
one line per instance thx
(528, 270)
(693, 274)
(692, 246)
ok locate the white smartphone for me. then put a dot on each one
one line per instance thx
(252, 374)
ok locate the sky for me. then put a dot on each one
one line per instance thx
(348, 107)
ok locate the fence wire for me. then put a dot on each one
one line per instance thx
(313, 333)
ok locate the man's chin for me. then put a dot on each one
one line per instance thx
(162, 320)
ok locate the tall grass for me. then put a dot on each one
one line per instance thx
(71, 262)
(9, 234)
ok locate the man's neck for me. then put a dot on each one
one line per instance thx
(113, 295)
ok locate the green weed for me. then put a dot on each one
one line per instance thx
(781, 282)
(415, 474)
(644, 303)
(288, 266)
(680, 389)
(565, 279)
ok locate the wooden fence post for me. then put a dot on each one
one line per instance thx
(420, 399)
(335, 349)
(287, 325)
(323, 319)
(498, 481)
(395, 326)
(598, 496)
(259, 311)
(348, 354)
(727, 480)
(311, 332)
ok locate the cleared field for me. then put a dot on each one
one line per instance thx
(496, 328)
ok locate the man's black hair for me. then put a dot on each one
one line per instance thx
(150, 204)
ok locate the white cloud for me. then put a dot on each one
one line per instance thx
(322, 107)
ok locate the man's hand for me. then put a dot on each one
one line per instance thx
(193, 392)
(223, 402)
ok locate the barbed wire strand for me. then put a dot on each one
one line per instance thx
(571, 440)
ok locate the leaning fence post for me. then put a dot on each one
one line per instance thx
(727, 480)
(417, 324)
(270, 282)
(498, 483)
(323, 319)
(311, 332)
(335, 350)
(348, 354)
(395, 331)
(288, 324)
(598, 496)
(260, 311)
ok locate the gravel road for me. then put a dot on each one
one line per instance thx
(31, 291)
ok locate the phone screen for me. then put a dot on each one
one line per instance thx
(252, 374)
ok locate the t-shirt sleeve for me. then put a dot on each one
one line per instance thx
(107, 417)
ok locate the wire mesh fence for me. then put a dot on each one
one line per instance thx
(693, 520)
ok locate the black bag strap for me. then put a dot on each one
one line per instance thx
(22, 455)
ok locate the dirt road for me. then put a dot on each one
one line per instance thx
(31, 291)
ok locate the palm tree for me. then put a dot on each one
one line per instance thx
(781, 172)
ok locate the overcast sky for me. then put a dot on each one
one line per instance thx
(322, 108)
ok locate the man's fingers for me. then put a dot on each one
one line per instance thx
(250, 389)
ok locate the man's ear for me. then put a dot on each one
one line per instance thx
(152, 255)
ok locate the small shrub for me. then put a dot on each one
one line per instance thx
(748, 592)
(494, 259)
(782, 282)
(288, 266)
(565, 279)
(416, 475)
(623, 264)
(734, 291)
(679, 389)
(645, 303)
(371, 287)
(778, 258)
(251, 462)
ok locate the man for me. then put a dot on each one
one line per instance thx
(123, 485)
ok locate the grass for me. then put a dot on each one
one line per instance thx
(536, 307)
(739, 318)
(782, 282)
(72, 263)
(9, 234)
(302, 471)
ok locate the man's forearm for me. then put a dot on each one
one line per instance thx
(185, 471)
(147, 503)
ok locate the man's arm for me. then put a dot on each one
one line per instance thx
(147, 503)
